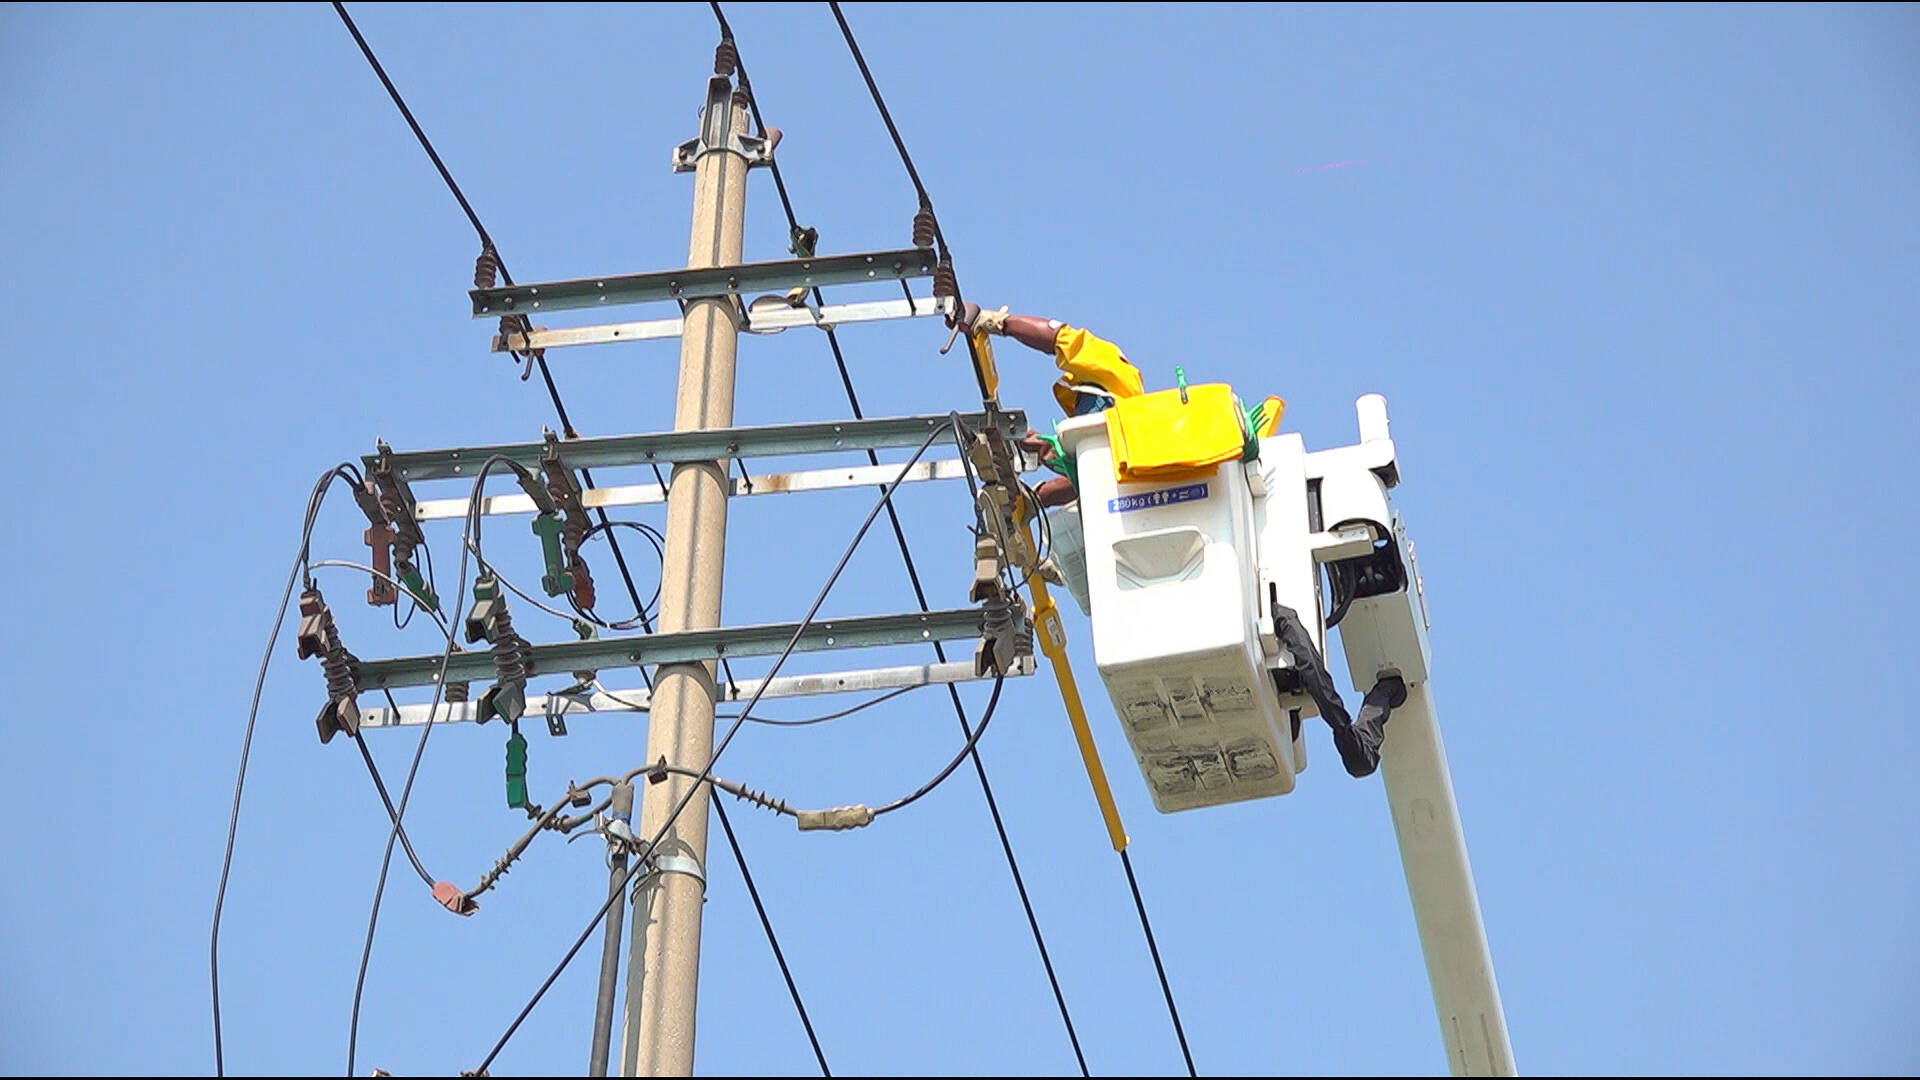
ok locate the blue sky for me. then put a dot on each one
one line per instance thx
(1638, 283)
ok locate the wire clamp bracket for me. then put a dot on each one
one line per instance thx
(756, 150)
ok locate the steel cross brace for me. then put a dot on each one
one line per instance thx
(584, 700)
(699, 284)
(610, 451)
(760, 320)
(686, 646)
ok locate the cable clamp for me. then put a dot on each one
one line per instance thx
(673, 864)
(755, 150)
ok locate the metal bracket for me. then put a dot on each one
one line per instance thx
(1352, 542)
(857, 476)
(556, 713)
(703, 283)
(677, 447)
(757, 150)
(672, 864)
(765, 318)
(715, 118)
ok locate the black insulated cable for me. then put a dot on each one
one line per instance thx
(766, 924)
(294, 575)
(567, 429)
(920, 594)
(1159, 969)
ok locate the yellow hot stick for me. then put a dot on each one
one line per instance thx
(989, 371)
(1053, 642)
(1053, 636)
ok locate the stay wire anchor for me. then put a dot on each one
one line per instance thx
(319, 637)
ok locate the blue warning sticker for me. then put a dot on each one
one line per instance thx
(1156, 498)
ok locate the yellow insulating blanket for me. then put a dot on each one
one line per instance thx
(1158, 436)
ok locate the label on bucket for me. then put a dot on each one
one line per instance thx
(1151, 499)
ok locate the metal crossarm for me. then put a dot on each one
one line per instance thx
(686, 646)
(702, 283)
(711, 444)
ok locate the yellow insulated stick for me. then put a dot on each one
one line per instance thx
(1053, 642)
(1053, 636)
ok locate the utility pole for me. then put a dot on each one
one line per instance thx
(664, 960)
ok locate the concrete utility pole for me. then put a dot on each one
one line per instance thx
(664, 958)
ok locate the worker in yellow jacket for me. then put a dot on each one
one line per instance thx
(1094, 374)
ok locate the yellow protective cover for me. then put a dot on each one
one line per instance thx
(1158, 437)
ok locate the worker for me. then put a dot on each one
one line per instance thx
(1094, 374)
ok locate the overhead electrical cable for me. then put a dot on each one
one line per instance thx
(926, 204)
(919, 592)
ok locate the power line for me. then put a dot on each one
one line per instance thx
(246, 750)
(926, 203)
(886, 117)
(469, 530)
(567, 429)
(779, 957)
(913, 573)
(386, 800)
(1165, 987)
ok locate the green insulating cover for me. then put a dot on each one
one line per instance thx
(417, 585)
(517, 771)
(556, 580)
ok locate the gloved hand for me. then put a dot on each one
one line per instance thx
(970, 319)
(1038, 447)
